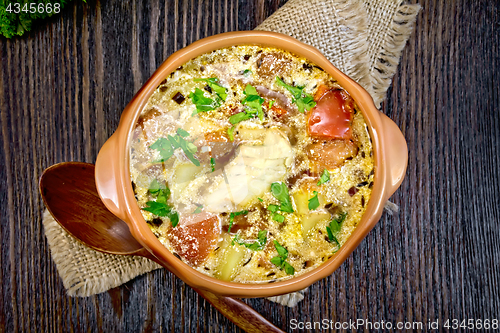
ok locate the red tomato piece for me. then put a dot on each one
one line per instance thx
(195, 237)
(332, 116)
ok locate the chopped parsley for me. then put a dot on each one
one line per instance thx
(255, 246)
(167, 146)
(232, 216)
(303, 100)
(276, 216)
(160, 207)
(253, 107)
(280, 260)
(198, 209)
(334, 227)
(253, 102)
(213, 83)
(325, 177)
(203, 103)
(212, 163)
(314, 202)
(280, 192)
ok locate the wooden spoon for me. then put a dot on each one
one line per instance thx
(68, 190)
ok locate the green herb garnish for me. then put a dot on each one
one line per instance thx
(253, 106)
(314, 202)
(280, 192)
(325, 177)
(230, 133)
(167, 146)
(303, 100)
(276, 216)
(160, 207)
(232, 216)
(255, 246)
(198, 209)
(253, 102)
(212, 163)
(203, 103)
(334, 228)
(213, 83)
(280, 260)
(164, 148)
(271, 103)
(241, 116)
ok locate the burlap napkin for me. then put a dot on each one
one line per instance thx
(364, 39)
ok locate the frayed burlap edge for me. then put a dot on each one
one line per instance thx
(86, 272)
(386, 45)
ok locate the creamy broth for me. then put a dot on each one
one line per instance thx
(251, 164)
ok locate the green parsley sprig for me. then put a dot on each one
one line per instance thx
(303, 100)
(167, 146)
(280, 260)
(314, 201)
(325, 177)
(232, 216)
(160, 207)
(280, 191)
(255, 246)
(253, 107)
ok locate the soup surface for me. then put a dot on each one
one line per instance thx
(251, 164)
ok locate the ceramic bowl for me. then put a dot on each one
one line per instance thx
(114, 185)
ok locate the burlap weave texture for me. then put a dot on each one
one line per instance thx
(364, 39)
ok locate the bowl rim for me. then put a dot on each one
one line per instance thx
(130, 211)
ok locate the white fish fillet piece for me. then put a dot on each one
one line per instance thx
(251, 173)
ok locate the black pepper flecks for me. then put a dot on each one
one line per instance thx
(362, 201)
(157, 222)
(247, 57)
(178, 98)
(207, 88)
(362, 184)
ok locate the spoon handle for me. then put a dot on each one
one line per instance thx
(239, 313)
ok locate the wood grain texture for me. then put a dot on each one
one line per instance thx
(62, 90)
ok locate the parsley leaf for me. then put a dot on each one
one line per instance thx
(334, 228)
(280, 192)
(203, 104)
(280, 260)
(167, 146)
(212, 163)
(241, 116)
(162, 209)
(255, 246)
(325, 177)
(232, 216)
(198, 209)
(314, 202)
(164, 147)
(213, 83)
(303, 100)
(253, 101)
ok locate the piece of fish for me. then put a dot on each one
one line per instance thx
(250, 173)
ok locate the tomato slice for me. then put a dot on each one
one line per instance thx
(195, 237)
(332, 115)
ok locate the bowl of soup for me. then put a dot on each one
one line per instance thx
(250, 166)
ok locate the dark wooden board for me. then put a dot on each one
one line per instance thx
(62, 90)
